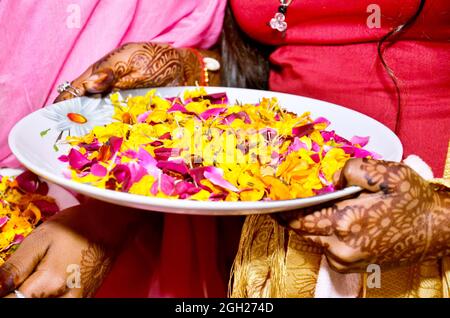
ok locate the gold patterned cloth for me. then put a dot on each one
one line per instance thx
(275, 262)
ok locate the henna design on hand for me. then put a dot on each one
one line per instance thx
(139, 65)
(404, 222)
(95, 264)
(192, 68)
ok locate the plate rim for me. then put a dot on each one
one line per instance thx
(203, 207)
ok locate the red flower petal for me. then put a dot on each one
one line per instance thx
(173, 165)
(47, 208)
(77, 160)
(28, 181)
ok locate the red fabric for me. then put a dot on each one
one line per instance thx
(175, 256)
(329, 53)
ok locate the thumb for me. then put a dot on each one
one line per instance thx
(371, 175)
(22, 263)
(99, 82)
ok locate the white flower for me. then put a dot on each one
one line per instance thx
(79, 115)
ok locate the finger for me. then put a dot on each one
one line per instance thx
(318, 223)
(22, 263)
(322, 241)
(348, 260)
(101, 81)
(72, 293)
(77, 87)
(354, 173)
(357, 264)
(285, 218)
(98, 78)
(335, 264)
(372, 175)
(44, 284)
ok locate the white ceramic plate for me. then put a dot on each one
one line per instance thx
(37, 154)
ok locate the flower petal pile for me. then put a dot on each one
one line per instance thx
(200, 147)
(23, 205)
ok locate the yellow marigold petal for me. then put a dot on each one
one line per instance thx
(202, 195)
(143, 186)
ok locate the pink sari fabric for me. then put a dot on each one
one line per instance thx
(43, 45)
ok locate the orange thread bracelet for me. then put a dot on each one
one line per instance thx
(204, 76)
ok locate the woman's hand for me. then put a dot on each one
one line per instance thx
(138, 65)
(69, 255)
(401, 219)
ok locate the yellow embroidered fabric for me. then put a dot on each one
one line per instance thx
(274, 262)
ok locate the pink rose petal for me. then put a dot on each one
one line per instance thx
(321, 120)
(296, 145)
(3, 221)
(18, 238)
(240, 115)
(178, 166)
(184, 187)
(177, 108)
(165, 153)
(167, 185)
(115, 144)
(215, 175)
(303, 130)
(148, 162)
(357, 152)
(93, 146)
(362, 141)
(213, 112)
(123, 176)
(331, 135)
(327, 189)
(77, 160)
(63, 158)
(315, 146)
(98, 170)
(143, 117)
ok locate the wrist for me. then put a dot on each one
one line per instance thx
(439, 217)
(200, 67)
